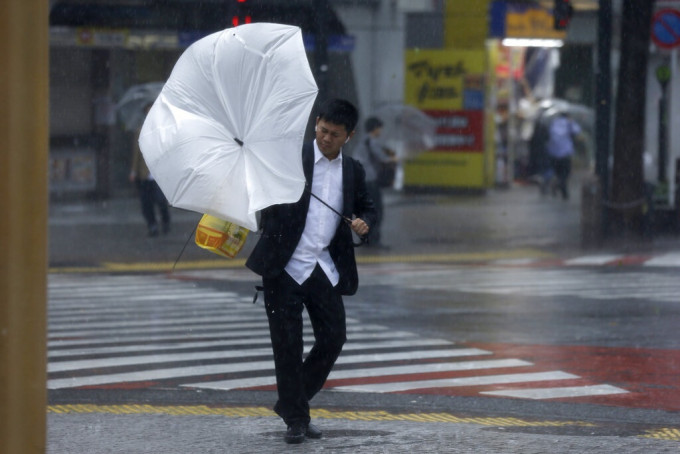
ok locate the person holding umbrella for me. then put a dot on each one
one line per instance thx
(150, 194)
(562, 133)
(306, 259)
(374, 156)
(224, 137)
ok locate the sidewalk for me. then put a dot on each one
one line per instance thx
(164, 433)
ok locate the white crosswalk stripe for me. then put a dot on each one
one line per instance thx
(559, 392)
(155, 331)
(466, 381)
(667, 260)
(375, 372)
(243, 351)
(567, 281)
(593, 260)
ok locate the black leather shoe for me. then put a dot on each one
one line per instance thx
(313, 431)
(295, 433)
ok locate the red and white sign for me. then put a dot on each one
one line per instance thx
(666, 28)
(458, 130)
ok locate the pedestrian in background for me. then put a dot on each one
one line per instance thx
(150, 194)
(306, 259)
(563, 131)
(539, 160)
(375, 157)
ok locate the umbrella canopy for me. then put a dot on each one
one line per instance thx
(583, 115)
(406, 130)
(225, 135)
(131, 106)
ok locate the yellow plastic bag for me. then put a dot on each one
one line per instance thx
(219, 236)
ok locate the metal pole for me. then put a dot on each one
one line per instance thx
(321, 11)
(672, 95)
(603, 100)
(24, 84)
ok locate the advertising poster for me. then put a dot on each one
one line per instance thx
(449, 86)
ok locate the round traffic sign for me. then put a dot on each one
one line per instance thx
(663, 74)
(666, 28)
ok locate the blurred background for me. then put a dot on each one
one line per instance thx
(491, 74)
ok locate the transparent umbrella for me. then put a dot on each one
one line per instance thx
(406, 130)
(131, 106)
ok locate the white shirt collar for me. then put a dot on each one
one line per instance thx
(318, 155)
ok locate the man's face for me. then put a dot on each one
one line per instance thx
(330, 138)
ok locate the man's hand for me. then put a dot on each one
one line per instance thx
(359, 227)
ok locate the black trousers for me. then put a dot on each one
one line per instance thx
(562, 168)
(150, 196)
(299, 380)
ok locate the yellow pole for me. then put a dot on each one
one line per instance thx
(24, 78)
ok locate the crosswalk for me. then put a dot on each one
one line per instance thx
(652, 261)
(630, 284)
(149, 331)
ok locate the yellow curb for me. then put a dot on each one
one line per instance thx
(663, 434)
(462, 257)
(243, 412)
(670, 434)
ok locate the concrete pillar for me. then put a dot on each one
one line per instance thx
(23, 229)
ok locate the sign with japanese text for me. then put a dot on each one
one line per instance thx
(459, 130)
(449, 86)
(445, 79)
(522, 20)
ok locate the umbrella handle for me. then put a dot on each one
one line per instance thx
(344, 218)
(362, 240)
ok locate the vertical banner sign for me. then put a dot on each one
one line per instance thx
(448, 85)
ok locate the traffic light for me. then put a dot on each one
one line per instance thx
(242, 15)
(562, 12)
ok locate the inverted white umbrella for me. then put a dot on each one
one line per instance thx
(225, 135)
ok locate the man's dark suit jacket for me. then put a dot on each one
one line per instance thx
(282, 225)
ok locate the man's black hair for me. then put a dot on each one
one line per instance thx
(372, 123)
(340, 112)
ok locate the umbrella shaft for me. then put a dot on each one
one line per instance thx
(329, 207)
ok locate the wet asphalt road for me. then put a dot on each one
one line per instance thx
(450, 275)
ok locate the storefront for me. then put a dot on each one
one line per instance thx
(90, 69)
(487, 91)
(100, 49)
(449, 86)
(524, 49)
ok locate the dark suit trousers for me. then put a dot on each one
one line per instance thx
(297, 380)
(150, 196)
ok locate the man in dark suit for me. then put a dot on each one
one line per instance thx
(306, 259)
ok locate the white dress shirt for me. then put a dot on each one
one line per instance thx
(321, 223)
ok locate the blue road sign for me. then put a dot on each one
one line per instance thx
(666, 28)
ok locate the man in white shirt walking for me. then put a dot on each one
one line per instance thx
(306, 259)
